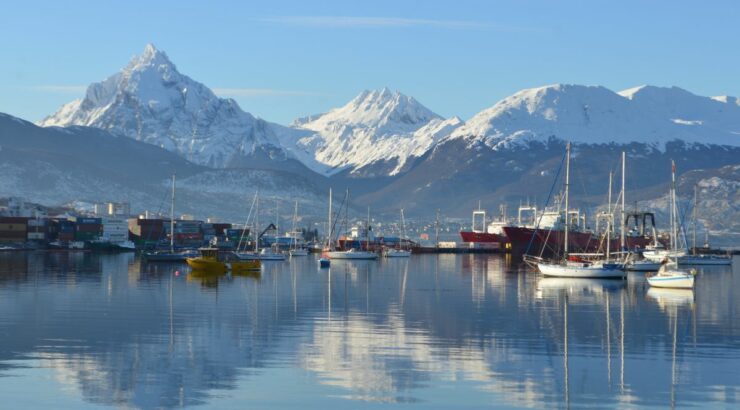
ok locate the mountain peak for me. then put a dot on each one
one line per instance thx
(151, 57)
(150, 101)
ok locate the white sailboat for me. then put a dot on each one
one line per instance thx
(696, 259)
(353, 253)
(669, 276)
(399, 252)
(576, 267)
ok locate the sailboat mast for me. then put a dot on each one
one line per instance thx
(609, 221)
(367, 230)
(256, 225)
(329, 227)
(567, 187)
(294, 239)
(436, 230)
(694, 223)
(674, 217)
(622, 221)
(172, 217)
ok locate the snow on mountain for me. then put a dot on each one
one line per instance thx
(593, 114)
(375, 134)
(54, 165)
(151, 101)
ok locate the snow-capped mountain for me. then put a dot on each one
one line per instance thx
(509, 152)
(54, 165)
(378, 133)
(597, 115)
(151, 101)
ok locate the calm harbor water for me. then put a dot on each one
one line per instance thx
(81, 330)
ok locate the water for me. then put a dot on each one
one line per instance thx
(435, 331)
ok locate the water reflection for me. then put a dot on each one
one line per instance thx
(452, 330)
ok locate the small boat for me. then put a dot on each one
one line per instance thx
(298, 252)
(210, 261)
(582, 269)
(399, 252)
(671, 278)
(267, 254)
(657, 255)
(396, 253)
(352, 254)
(324, 262)
(715, 260)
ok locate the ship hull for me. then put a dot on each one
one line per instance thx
(481, 237)
(551, 241)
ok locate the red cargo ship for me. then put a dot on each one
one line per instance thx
(483, 235)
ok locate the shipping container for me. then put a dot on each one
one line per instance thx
(13, 227)
(66, 236)
(87, 221)
(14, 220)
(89, 228)
(36, 236)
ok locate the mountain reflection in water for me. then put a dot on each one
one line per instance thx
(82, 329)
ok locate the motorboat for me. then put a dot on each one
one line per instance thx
(210, 261)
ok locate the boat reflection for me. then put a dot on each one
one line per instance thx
(445, 329)
(666, 297)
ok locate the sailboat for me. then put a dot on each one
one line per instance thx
(696, 259)
(295, 250)
(399, 252)
(352, 253)
(574, 266)
(669, 276)
(171, 255)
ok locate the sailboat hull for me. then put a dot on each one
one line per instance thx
(571, 271)
(356, 255)
(673, 279)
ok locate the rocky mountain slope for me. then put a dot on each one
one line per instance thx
(54, 165)
(151, 101)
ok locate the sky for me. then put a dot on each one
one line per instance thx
(285, 59)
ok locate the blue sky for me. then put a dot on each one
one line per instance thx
(456, 57)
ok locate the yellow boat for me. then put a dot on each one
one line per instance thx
(210, 262)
